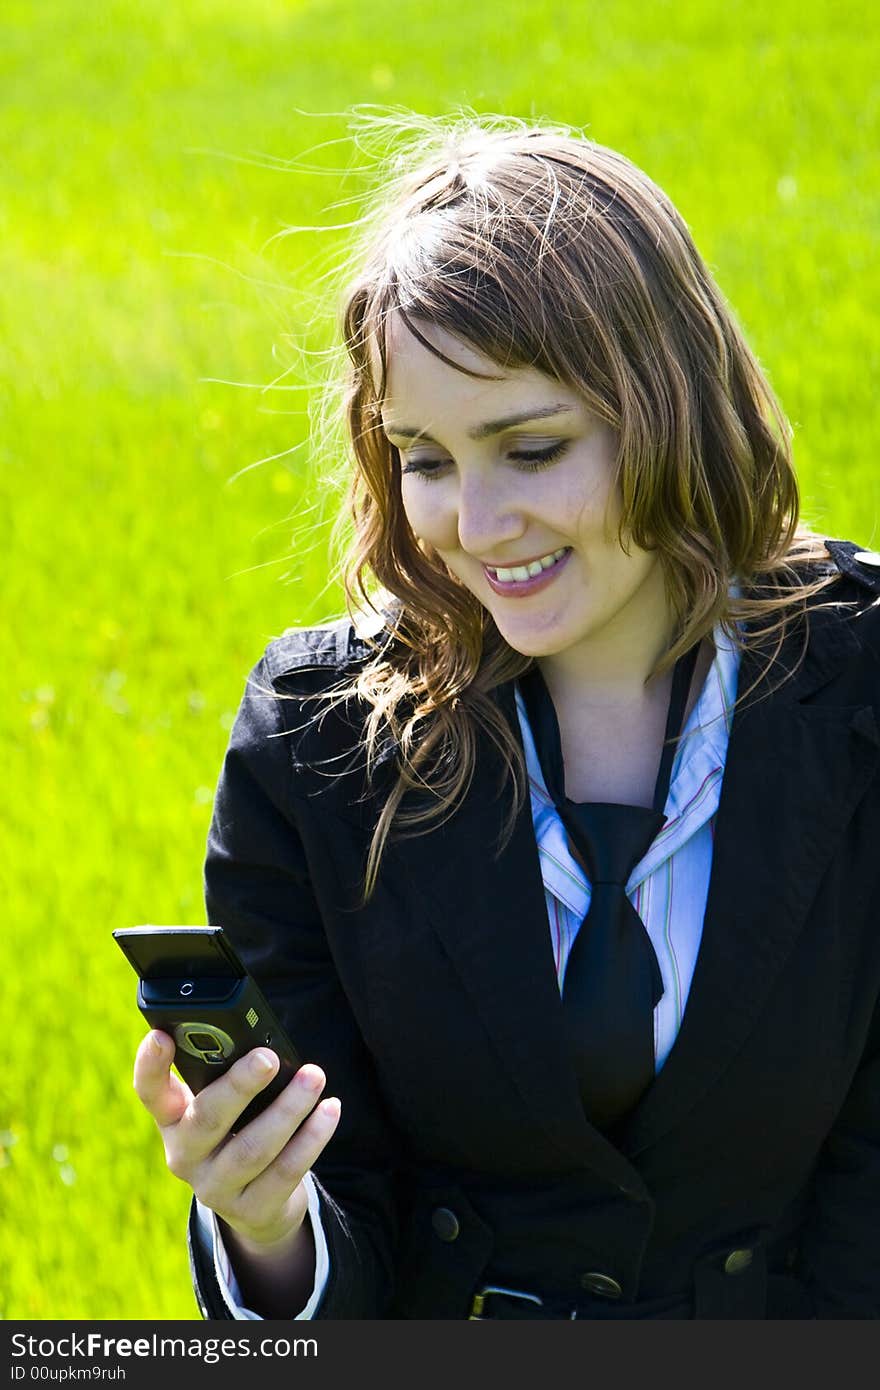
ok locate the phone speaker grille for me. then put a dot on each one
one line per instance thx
(252, 1017)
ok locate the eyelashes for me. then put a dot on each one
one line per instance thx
(540, 458)
(532, 460)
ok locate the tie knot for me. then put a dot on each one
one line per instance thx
(611, 839)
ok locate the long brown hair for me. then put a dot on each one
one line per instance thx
(540, 248)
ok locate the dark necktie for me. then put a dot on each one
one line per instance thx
(612, 978)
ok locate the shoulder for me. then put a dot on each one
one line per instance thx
(329, 645)
(333, 647)
(856, 563)
(305, 665)
(858, 570)
(278, 729)
(845, 623)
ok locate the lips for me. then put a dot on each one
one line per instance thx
(522, 588)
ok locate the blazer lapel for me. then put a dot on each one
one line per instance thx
(491, 916)
(793, 777)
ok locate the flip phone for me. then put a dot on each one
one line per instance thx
(192, 985)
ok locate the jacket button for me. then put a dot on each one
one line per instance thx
(868, 557)
(445, 1223)
(737, 1261)
(601, 1284)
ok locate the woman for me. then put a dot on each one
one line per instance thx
(562, 876)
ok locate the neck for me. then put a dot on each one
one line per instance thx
(610, 668)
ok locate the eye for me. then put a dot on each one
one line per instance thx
(540, 458)
(531, 459)
(423, 468)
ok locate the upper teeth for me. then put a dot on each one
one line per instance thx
(527, 571)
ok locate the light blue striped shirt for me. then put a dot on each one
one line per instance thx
(667, 888)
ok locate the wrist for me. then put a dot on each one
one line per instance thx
(276, 1277)
(262, 1245)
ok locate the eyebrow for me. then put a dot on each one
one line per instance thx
(489, 427)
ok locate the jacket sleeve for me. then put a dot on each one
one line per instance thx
(840, 1242)
(207, 1233)
(258, 888)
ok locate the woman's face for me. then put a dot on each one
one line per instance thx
(510, 471)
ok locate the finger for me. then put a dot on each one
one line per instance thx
(213, 1111)
(165, 1096)
(268, 1193)
(248, 1153)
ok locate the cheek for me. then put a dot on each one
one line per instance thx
(588, 511)
(412, 506)
(428, 519)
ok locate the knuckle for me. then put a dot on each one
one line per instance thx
(212, 1194)
(176, 1165)
(140, 1085)
(203, 1116)
(290, 1166)
(241, 1079)
(292, 1105)
(248, 1148)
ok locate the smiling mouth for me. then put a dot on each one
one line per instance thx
(519, 573)
(533, 583)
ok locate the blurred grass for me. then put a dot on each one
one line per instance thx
(145, 570)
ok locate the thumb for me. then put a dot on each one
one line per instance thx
(164, 1095)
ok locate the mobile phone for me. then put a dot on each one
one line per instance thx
(192, 985)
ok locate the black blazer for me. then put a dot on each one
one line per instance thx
(746, 1182)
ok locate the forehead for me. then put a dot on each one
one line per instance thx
(418, 380)
(406, 357)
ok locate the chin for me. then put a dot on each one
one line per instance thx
(547, 644)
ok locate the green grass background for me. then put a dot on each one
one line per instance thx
(144, 166)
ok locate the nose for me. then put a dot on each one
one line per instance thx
(488, 516)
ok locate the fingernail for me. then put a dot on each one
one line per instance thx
(332, 1107)
(157, 1043)
(262, 1062)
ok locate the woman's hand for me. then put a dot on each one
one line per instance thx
(253, 1179)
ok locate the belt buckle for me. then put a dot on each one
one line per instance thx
(479, 1301)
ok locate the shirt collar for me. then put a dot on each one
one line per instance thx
(694, 789)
